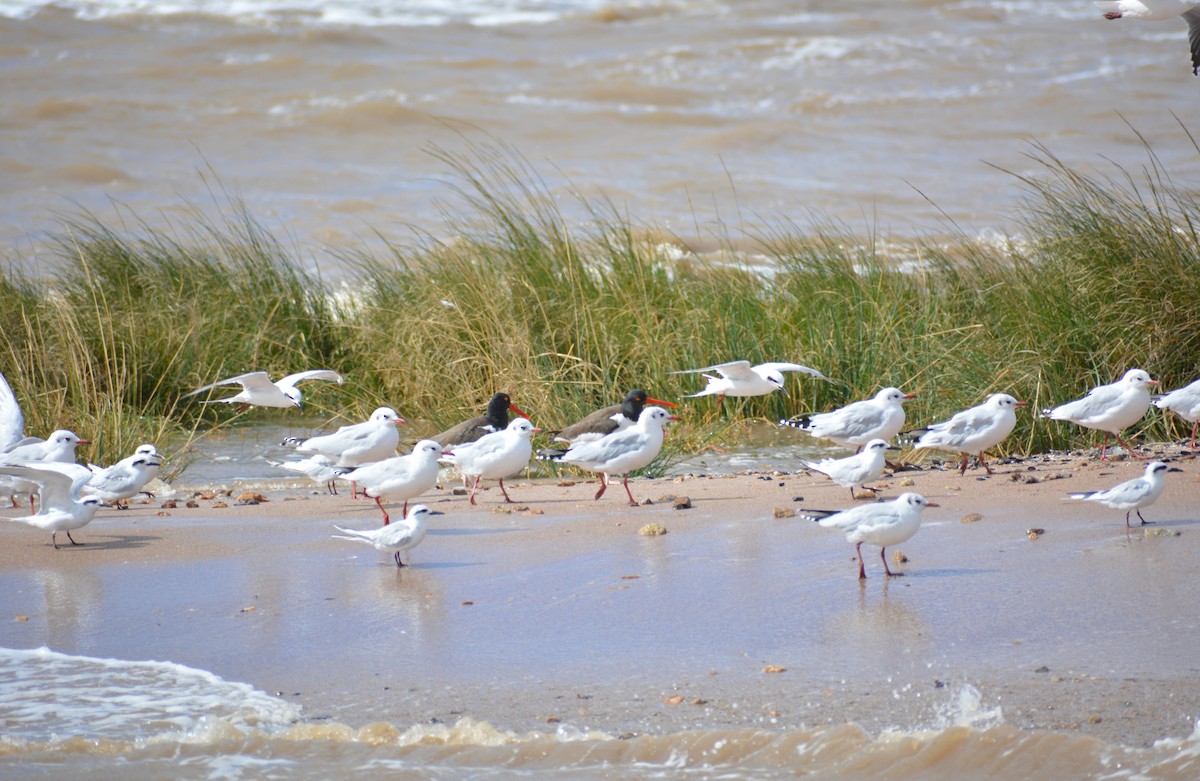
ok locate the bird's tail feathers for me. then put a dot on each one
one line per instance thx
(550, 454)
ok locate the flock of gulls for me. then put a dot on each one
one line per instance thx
(64, 496)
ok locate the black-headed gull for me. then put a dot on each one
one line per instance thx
(495, 456)
(854, 425)
(624, 451)
(603, 422)
(494, 419)
(1184, 402)
(12, 420)
(739, 378)
(973, 430)
(1110, 408)
(397, 537)
(1160, 10)
(63, 508)
(259, 391)
(59, 447)
(399, 477)
(320, 469)
(880, 523)
(125, 479)
(855, 471)
(1132, 495)
(360, 443)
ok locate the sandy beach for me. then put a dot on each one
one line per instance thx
(557, 611)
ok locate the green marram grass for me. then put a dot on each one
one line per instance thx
(1104, 277)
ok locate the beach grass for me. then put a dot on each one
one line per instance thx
(506, 295)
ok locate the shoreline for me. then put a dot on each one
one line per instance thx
(563, 615)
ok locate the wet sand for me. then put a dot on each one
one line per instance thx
(556, 613)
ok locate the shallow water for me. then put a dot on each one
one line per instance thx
(701, 116)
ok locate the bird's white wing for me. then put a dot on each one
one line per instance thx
(12, 420)
(966, 422)
(60, 482)
(734, 370)
(312, 374)
(608, 448)
(249, 381)
(859, 417)
(792, 367)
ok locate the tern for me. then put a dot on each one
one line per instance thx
(1132, 495)
(855, 471)
(739, 378)
(63, 508)
(125, 479)
(397, 537)
(259, 391)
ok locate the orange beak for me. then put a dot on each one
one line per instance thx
(660, 402)
(516, 409)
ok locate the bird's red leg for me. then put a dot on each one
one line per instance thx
(1104, 447)
(1193, 443)
(862, 571)
(603, 485)
(625, 482)
(883, 557)
(506, 497)
(386, 518)
(984, 464)
(1129, 447)
(474, 486)
(962, 468)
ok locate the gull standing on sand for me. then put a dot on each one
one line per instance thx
(1110, 408)
(59, 448)
(361, 443)
(856, 424)
(973, 430)
(495, 456)
(1132, 495)
(63, 508)
(400, 477)
(494, 419)
(259, 391)
(1160, 10)
(126, 478)
(881, 523)
(854, 471)
(1184, 402)
(397, 537)
(739, 378)
(603, 422)
(624, 451)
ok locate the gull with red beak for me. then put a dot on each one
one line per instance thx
(1110, 408)
(495, 456)
(973, 430)
(854, 425)
(624, 451)
(603, 422)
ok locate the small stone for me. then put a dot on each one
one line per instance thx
(163, 514)
(681, 503)
(249, 497)
(249, 609)
(535, 511)
(565, 483)
(1094, 719)
(1042, 669)
(1160, 532)
(220, 505)
(908, 481)
(21, 618)
(784, 512)
(774, 668)
(169, 505)
(552, 719)
(192, 505)
(972, 518)
(652, 530)
(899, 557)
(207, 496)
(674, 700)
(459, 492)
(467, 602)
(1033, 534)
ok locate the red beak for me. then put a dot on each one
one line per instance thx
(660, 402)
(517, 410)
